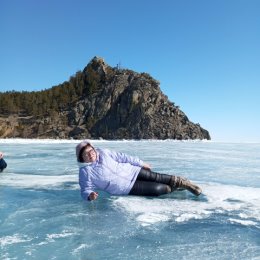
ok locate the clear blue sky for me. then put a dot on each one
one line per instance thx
(205, 53)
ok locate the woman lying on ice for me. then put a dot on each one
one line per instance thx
(121, 174)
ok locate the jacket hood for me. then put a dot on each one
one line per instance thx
(80, 146)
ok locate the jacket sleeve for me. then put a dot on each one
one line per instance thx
(86, 186)
(3, 164)
(124, 158)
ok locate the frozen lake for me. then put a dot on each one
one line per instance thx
(42, 215)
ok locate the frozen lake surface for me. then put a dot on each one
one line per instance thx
(42, 215)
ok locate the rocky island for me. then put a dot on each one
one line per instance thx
(99, 102)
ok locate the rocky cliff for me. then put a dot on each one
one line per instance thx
(115, 104)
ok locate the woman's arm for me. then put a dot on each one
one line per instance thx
(86, 186)
(125, 158)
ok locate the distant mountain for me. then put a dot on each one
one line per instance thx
(98, 102)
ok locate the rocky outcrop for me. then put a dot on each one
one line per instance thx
(117, 104)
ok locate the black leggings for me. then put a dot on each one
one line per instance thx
(150, 183)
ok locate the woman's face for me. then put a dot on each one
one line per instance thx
(89, 154)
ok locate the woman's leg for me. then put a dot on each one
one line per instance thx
(148, 175)
(175, 182)
(150, 183)
(148, 188)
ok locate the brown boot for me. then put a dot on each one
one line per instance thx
(178, 182)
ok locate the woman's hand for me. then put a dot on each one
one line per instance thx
(93, 196)
(147, 166)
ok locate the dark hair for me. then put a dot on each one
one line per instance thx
(81, 153)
